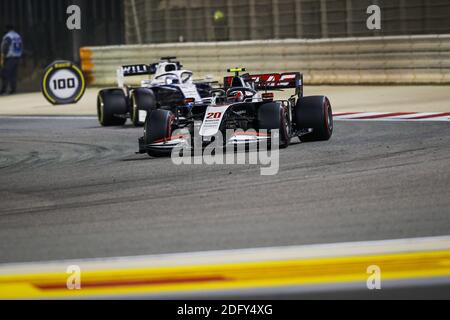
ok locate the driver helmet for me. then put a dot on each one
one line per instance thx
(237, 96)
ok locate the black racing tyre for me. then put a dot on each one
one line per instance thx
(315, 113)
(274, 116)
(141, 99)
(158, 126)
(111, 103)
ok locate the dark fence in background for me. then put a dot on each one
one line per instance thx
(42, 24)
(159, 21)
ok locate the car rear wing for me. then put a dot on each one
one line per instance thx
(136, 70)
(145, 69)
(133, 70)
(272, 81)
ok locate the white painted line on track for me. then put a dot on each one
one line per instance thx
(349, 116)
(50, 117)
(393, 120)
(355, 115)
(393, 116)
(240, 255)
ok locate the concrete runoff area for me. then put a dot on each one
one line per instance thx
(343, 98)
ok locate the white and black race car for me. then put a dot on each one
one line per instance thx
(244, 105)
(169, 87)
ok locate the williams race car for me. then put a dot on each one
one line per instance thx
(243, 103)
(169, 87)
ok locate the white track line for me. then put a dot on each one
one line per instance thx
(411, 116)
(356, 115)
(392, 116)
(50, 117)
(393, 120)
(345, 117)
(239, 255)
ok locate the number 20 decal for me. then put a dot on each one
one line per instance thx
(213, 115)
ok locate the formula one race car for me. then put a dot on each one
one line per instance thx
(169, 87)
(239, 105)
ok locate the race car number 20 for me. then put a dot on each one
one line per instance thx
(63, 83)
(214, 115)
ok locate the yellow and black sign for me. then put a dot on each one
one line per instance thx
(63, 83)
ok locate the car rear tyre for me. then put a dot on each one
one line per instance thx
(141, 99)
(158, 127)
(274, 116)
(111, 105)
(314, 113)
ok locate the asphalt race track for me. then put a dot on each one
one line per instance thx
(70, 189)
